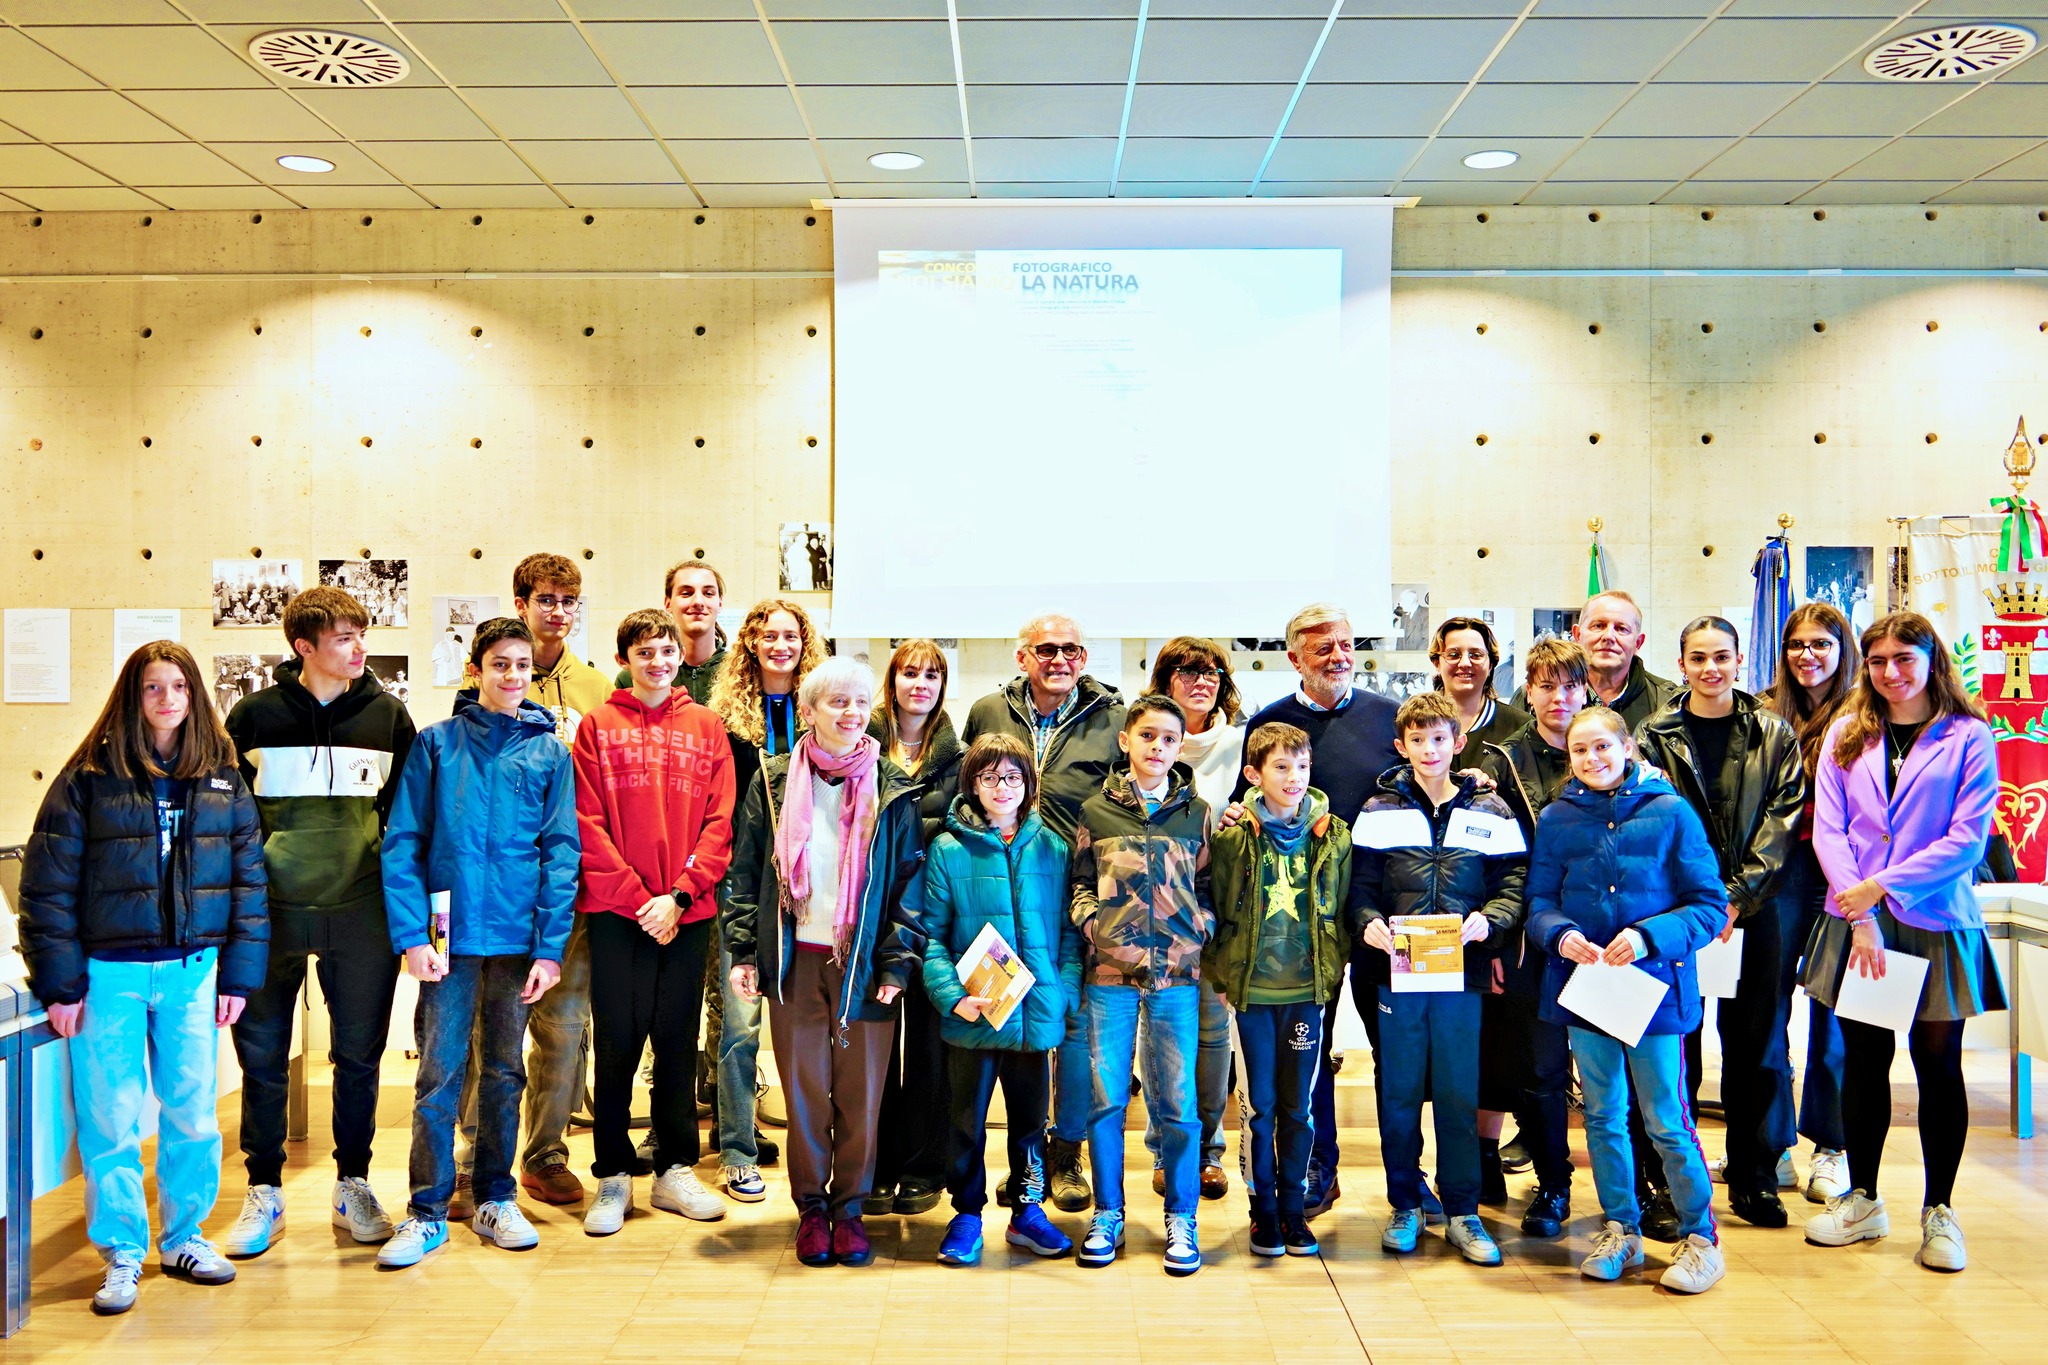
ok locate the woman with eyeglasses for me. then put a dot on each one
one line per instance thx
(1817, 669)
(1465, 656)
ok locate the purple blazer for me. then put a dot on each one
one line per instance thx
(1923, 844)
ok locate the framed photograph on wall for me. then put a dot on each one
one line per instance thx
(381, 585)
(804, 556)
(1843, 575)
(455, 622)
(236, 676)
(252, 592)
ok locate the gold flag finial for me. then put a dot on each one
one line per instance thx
(2019, 458)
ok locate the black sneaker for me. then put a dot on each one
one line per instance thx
(1493, 1186)
(1266, 1238)
(1323, 1191)
(1760, 1208)
(643, 1155)
(1300, 1241)
(1515, 1157)
(766, 1151)
(1660, 1219)
(1547, 1214)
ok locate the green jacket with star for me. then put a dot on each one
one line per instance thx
(1233, 950)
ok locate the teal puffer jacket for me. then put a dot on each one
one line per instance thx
(971, 879)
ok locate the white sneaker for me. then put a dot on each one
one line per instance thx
(1717, 1170)
(1828, 1177)
(1941, 1239)
(260, 1223)
(412, 1240)
(1788, 1174)
(117, 1291)
(198, 1260)
(1616, 1249)
(608, 1211)
(1183, 1248)
(356, 1208)
(1699, 1267)
(500, 1221)
(1851, 1217)
(744, 1183)
(1472, 1240)
(678, 1190)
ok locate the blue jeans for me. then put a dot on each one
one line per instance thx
(739, 1060)
(1658, 1066)
(157, 1015)
(1430, 1052)
(1279, 1051)
(1073, 1077)
(477, 991)
(1171, 1037)
(1212, 1081)
(1799, 907)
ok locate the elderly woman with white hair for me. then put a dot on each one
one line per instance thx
(814, 921)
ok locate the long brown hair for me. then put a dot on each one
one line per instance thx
(909, 654)
(1182, 650)
(1866, 710)
(119, 743)
(1809, 719)
(736, 695)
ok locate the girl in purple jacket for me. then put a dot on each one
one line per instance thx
(1903, 802)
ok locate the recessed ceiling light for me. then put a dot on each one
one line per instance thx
(1492, 161)
(895, 161)
(315, 164)
(1949, 54)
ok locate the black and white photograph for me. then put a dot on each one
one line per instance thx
(455, 623)
(1394, 684)
(1842, 576)
(1897, 580)
(236, 676)
(804, 561)
(1555, 623)
(394, 672)
(1408, 626)
(381, 585)
(252, 592)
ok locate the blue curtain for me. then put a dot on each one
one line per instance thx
(1771, 605)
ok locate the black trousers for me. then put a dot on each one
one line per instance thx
(971, 1075)
(1526, 1068)
(640, 992)
(911, 1136)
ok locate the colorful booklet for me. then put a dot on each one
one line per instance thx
(992, 970)
(437, 920)
(1428, 955)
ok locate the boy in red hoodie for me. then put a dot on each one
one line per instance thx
(654, 797)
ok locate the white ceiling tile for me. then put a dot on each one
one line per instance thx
(1789, 158)
(42, 166)
(1595, 192)
(397, 113)
(1044, 158)
(27, 12)
(1358, 110)
(1322, 189)
(1407, 50)
(8, 203)
(224, 115)
(1847, 109)
(736, 161)
(855, 9)
(1837, 9)
(1554, 109)
(1671, 109)
(1588, 49)
(1877, 191)
(1452, 9)
(157, 163)
(1208, 110)
(1044, 110)
(705, 53)
(274, 13)
(591, 161)
(944, 159)
(452, 163)
(885, 53)
(1997, 192)
(1052, 51)
(557, 112)
(1192, 50)
(882, 110)
(1044, 189)
(1193, 158)
(1445, 158)
(492, 196)
(2000, 107)
(422, 11)
(630, 196)
(758, 111)
(82, 116)
(1947, 159)
(1639, 9)
(666, 9)
(249, 196)
(764, 196)
(357, 197)
(1182, 189)
(1640, 158)
(8, 134)
(1241, 9)
(1341, 158)
(1771, 49)
(508, 54)
(1974, 9)
(154, 57)
(351, 167)
(30, 67)
(2029, 166)
(1737, 192)
(923, 189)
(85, 200)
(1460, 192)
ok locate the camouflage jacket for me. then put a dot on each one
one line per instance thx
(1141, 884)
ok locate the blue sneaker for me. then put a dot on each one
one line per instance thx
(1104, 1240)
(1031, 1229)
(412, 1241)
(962, 1243)
(1321, 1190)
(1404, 1230)
(1432, 1207)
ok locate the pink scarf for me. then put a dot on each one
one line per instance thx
(857, 814)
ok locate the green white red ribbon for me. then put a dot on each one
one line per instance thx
(2025, 515)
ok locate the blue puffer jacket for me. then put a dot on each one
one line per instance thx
(972, 878)
(1635, 857)
(486, 809)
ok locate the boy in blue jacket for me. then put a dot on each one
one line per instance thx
(480, 864)
(1623, 874)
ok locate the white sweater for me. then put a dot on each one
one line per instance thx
(1217, 756)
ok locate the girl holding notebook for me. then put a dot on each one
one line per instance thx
(1903, 801)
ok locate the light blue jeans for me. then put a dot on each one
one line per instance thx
(1171, 1039)
(1212, 1082)
(1658, 1066)
(739, 1059)
(158, 1016)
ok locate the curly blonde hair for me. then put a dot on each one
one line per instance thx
(736, 695)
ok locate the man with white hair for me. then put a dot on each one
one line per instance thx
(1610, 630)
(1069, 720)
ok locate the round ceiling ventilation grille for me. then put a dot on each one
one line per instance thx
(319, 57)
(1950, 54)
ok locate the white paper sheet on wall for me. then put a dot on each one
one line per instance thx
(37, 656)
(135, 627)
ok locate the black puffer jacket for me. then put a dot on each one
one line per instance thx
(1763, 786)
(937, 779)
(1530, 774)
(89, 880)
(1079, 756)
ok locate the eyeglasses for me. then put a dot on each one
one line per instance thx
(548, 602)
(1195, 673)
(1048, 652)
(993, 780)
(1465, 656)
(1809, 646)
